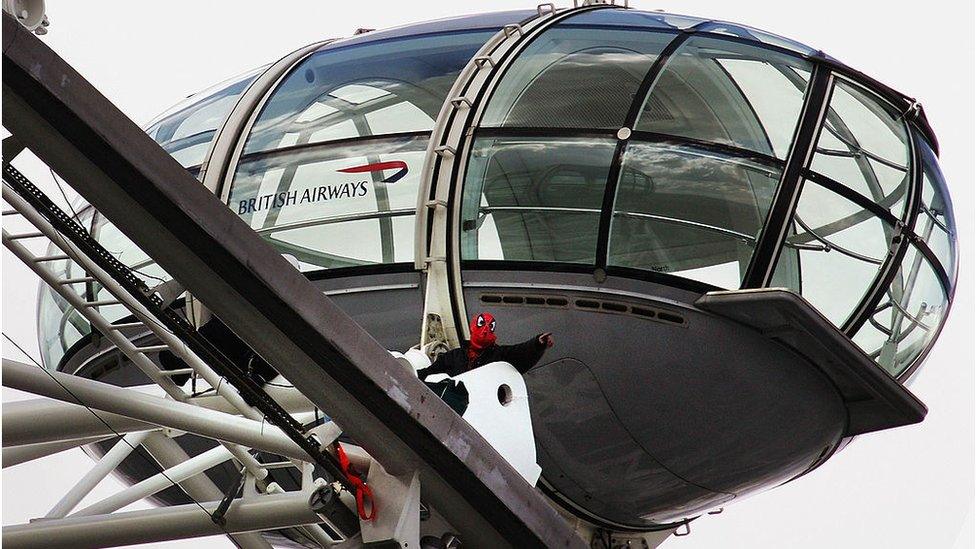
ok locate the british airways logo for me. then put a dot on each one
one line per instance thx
(398, 165)
(324, 193)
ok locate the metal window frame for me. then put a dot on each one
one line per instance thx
(761, 267)
(438, 217)
(630, 122)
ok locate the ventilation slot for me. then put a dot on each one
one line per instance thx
(613, 307)
(640, 311)
(670, 317)
(534, 300)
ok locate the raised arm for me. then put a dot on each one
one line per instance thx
(523, 356)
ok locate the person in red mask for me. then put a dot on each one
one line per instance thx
(481, 349)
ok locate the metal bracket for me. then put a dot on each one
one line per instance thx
(542, 12)
(484, 60)
(399, 499)
(458, 101)
(687, 531)
(445, 151)
(913, 111)
(230, 495)
(513, 28)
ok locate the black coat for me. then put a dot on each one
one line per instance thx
(522, 356)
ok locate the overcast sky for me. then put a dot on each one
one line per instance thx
(905, 488)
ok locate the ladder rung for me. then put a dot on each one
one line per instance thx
(152, 348)
(43, 258)
(177, 372)
(128, 325)
(104, 303)
(23, 236)
(68, 281)
(277, 465)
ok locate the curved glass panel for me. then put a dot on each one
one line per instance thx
(59, 325)
(688, 212)
(186, 130)
(753, 34)
(720, 91)
(833, 253)
(534, 199)
(936, 224)
(580, 73)
(908, 317)
(334, 206)
(361, 90)
(630, 18)
(864, 145)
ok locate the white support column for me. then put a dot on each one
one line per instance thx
(168, 453)
(161, 524)
(40, 421)
(44, 420)
(151, 409)
(99, 471)
(29, 452)
(158, 482)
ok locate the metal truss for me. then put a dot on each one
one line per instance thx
(409, 442)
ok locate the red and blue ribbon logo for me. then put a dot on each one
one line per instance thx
(398, 165)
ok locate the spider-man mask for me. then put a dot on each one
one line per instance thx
(482, 333)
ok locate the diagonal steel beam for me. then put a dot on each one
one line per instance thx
(168, 453)
(20, 454)
(271, 306)
(155, 525)
(42, 421)
(150, 409)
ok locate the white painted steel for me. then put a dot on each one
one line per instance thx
(151, 409)
(167, 523)
(498, 408)
(131, 351)
(99, 471)
(158, 482)
(41, 421)
(16, 455)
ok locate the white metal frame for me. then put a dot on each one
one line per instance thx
(140, 414)
(443, 173)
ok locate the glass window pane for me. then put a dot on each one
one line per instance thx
(833, 253)
(380, 87)
(908, 317)
(749, 33)
(59, 325)
(186, 130)
(534, 199)
(689, 213)
(936, 224)
(581, 73)
(724, 92)
(310, 202)
(864, 145)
